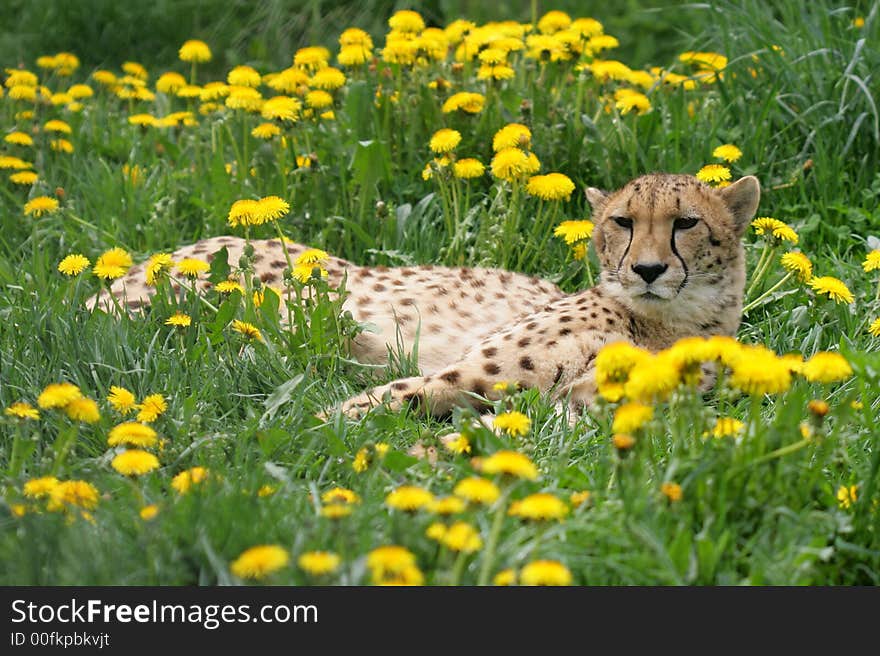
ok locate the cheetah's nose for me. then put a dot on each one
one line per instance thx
(650, 272)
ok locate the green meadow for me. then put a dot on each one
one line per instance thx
(181, 444)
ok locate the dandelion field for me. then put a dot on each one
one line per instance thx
(180, 445)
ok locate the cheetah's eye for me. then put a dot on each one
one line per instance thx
(623, 222)
(685, 222)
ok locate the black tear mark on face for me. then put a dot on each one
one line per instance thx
(684, 266)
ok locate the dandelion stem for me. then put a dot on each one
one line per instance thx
(494, 534)
(760, 269)
(458, 568)
(753, 304)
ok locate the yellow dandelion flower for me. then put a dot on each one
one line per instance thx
(73, 493)
(58, 395)
(266, 131)
(319, 563)
(229, 286)
(311, 57)
(170, 82)
(574, 231)
(305, 272)
(133, 434)
(714, 173)
(312, 256)
(538, 507)
(847, 496)
(505, 577)
(148, 513)
(512, 164)
(185, 480)
(406, 21)
(191, 267)
(340, 495)
(512, 135)
(826, 367)
(872, 261)
(8, 162)
(727, 427)
(157, 265)
(627, 100)
(464, 101)
(436, 531)
(40, 205)
(354, 55)
(20, 77)
(652, 379)
(759, 371)
(630, 417)
(672, 491)
(545, 572)
(614, 363)
(244, 76)
(57, 126)
(24, 178)
(22, 410)
(336, 510)
(112, 264)
(874, 328)
(445, 140)
(179, 320)
(799, 264)
(318, 99)
(578, 499)
(512, 423)
(121, 400)
(409, 498)
(142, 120)
(152, 406)
(249, 330)
(447, 506)
(468, 168)
(477, 490)
(610, 69)
(39, 488)
(19, 139)
(135, 70)
(456, 443)
(462, 537)
(328, 78)
(727, 152)
(769, 226)
(73, 264)
(269, 208)
(135, 462)
(260, 561)
(194, 50)
(553, 186)
(392, 563)
(83, 409)
(61, 146)
(246, 98)
(510, 463)
(281, 108)
(834, 288)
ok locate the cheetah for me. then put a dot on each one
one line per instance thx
(673, 266)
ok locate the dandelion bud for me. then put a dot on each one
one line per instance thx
(248, 250)
(623, 443)
(818, 408)
(59, 193)
(381, 209)
(457, 68)
(525, 107)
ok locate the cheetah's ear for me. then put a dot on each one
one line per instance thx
(742, 199)
(597, 199)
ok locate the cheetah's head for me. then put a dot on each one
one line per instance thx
(671, 246)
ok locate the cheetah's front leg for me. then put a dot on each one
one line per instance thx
(513, 357)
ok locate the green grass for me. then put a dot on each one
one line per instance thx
(762, 509)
